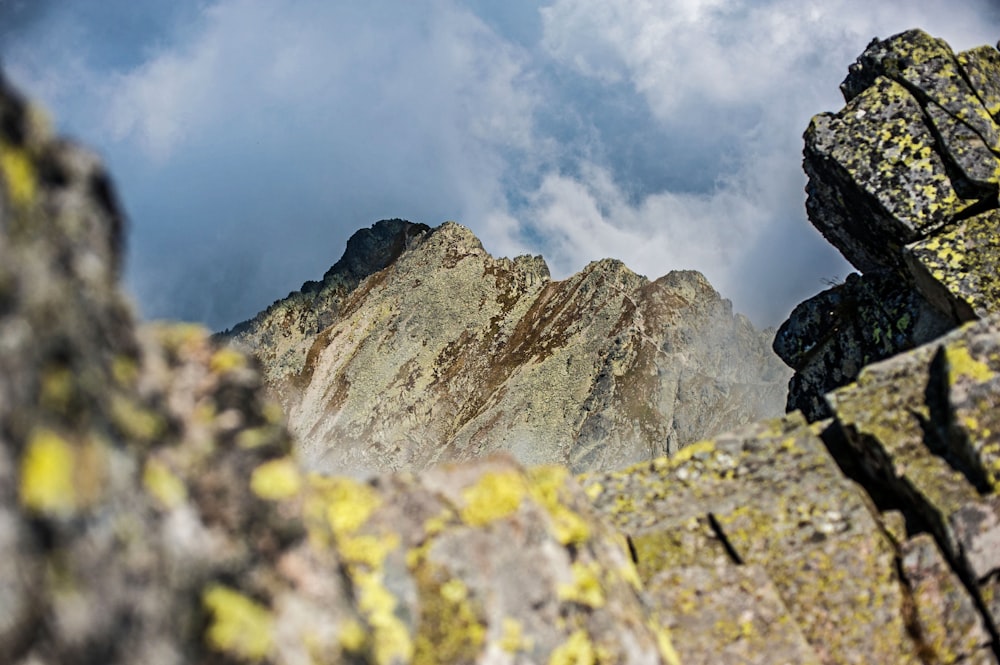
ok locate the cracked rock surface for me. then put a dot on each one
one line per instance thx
(903, 181)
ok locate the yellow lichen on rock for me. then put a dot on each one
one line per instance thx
(226, 360)
(134, 420)
(587, 587)
(495, 496)
(391, 641)
(546, 483)
(962, 365)
(577, 650)
(19, 174)
(276, 479)
(353, 637)
(240, 627)
(348, 503)
(59, 477)
(163, 484)
(450, 629)
(513, 638)
(47, 474)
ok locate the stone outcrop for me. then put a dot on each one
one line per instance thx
(873, 536)
(470, 355)
(153, 507)
(903, 181)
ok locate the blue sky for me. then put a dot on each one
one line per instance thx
(249, 138)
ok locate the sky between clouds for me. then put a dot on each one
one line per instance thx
(250, 138)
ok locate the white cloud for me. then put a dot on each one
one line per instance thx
(274, 131)
(589, 217)
(747, 75)
(683, 54)
(435, 70)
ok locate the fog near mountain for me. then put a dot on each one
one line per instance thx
(250, 139)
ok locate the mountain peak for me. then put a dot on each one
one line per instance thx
(471, 354)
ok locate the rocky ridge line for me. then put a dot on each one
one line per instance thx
(471, 355)
(903, 181)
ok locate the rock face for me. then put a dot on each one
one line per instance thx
(903, 181)
(470, 355)
(153, 508)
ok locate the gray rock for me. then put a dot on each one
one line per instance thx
(472, 355)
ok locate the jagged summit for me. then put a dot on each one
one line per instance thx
(470, 354)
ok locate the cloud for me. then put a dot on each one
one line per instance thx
(727, 85)
(250, 142)
(249, 139)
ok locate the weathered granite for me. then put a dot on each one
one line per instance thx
(770, 497)
(910, 436)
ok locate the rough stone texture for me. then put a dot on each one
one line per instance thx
(897, 420)
(903, 181)
(471, 355)
(773, 500)
(959, 268)
(946, 616)
(830, 337)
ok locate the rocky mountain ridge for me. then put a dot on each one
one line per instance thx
(152, 507)
(470, 355)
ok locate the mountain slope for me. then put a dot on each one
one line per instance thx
(447, 353)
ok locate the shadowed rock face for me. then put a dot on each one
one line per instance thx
(153, 507)
(470, 355)
(903, 181)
